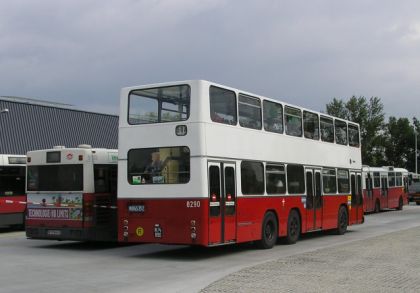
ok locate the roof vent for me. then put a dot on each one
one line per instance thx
(84, 146)
(59, 147)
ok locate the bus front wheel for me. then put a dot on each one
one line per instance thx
(342, 221)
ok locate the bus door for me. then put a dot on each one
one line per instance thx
(222, 203)
(356, 210)
(384, 192)
(314, 201)
(369, 202)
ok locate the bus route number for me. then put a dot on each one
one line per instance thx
(193, 203)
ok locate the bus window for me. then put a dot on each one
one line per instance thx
(398, 179)
(105, 178)
(341, 132)
(158, 105)
(295, 179)
(327, 129)
(222, 106)
(343, 181)
(169, 165)
(276, 179)
(310, 125)
(249, 112)
(252, 177)
(354, 135)
(293, 121)
(391, 179)
(329, 182)
(376, 180)
(55, 177)
(273, 117)
(12, 181)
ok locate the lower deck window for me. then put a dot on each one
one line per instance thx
(252, 177)
(329, 181)
(167, 165)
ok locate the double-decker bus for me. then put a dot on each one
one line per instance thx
(414, 187)
(384, 188)
(202, 163)
(12, 190)
(72, 194)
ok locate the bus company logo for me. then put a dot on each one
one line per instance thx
(69, 156)
(139, 231)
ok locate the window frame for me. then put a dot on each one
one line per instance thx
(285, 114)
(316, 135)
(235, 104)
(258, 127)
(264, 116)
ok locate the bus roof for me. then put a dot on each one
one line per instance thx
(12, 160)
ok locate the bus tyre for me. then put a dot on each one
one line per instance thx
(342, 221)
(269, 231)
(377, 207)
(293, 227)
(400, 204)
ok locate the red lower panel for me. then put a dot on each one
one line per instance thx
(12, 204)
(172, 221)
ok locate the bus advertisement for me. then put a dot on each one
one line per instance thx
(206, 164)
(12, 190)
(384, 188)
(72, 194)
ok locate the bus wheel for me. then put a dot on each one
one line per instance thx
(400, 204)
(377, 207)
(342, 221)
(269, 231)
(293, 227)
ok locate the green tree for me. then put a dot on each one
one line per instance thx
(399, 146)
(369, 114)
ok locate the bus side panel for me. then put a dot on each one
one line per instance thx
(331, 205)
(12, 210)
(169, 221)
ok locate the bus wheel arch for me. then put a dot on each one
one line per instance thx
(294, 226)
(342, 220)
(269, 230)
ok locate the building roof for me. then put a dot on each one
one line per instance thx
(35, 124)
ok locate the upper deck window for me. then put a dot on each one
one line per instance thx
(158, 105)
(293, 121)
(327, 129)
(354, 135)
(340, 132)
(223, 106)
(311, 125)
(273, 117)
(249, 112)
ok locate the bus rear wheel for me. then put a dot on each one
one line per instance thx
(269, 231)
(342, 221)
(293, 227)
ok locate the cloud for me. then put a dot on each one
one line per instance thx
(304, 52)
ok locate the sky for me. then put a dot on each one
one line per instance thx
(82, 52)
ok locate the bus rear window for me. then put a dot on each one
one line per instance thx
(12, 181)
(168, 165)
(55, 178)
(158, 105)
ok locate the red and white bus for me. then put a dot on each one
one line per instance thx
(414, 187)
(12, 190)
(384, 188)
(206, 164)
(72, 194)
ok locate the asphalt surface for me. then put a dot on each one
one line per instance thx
(388, 263)
(52, 266)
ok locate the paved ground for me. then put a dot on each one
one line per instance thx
(388, 263)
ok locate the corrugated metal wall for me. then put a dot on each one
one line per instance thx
(30, 127)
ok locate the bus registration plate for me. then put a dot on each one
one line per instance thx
(53, 232)
(136, 208)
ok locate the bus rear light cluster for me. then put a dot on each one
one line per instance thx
(29, 159)
(80, 157)
(125, 228)
(193, 230)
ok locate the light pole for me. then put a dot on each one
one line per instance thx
(415, 146)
